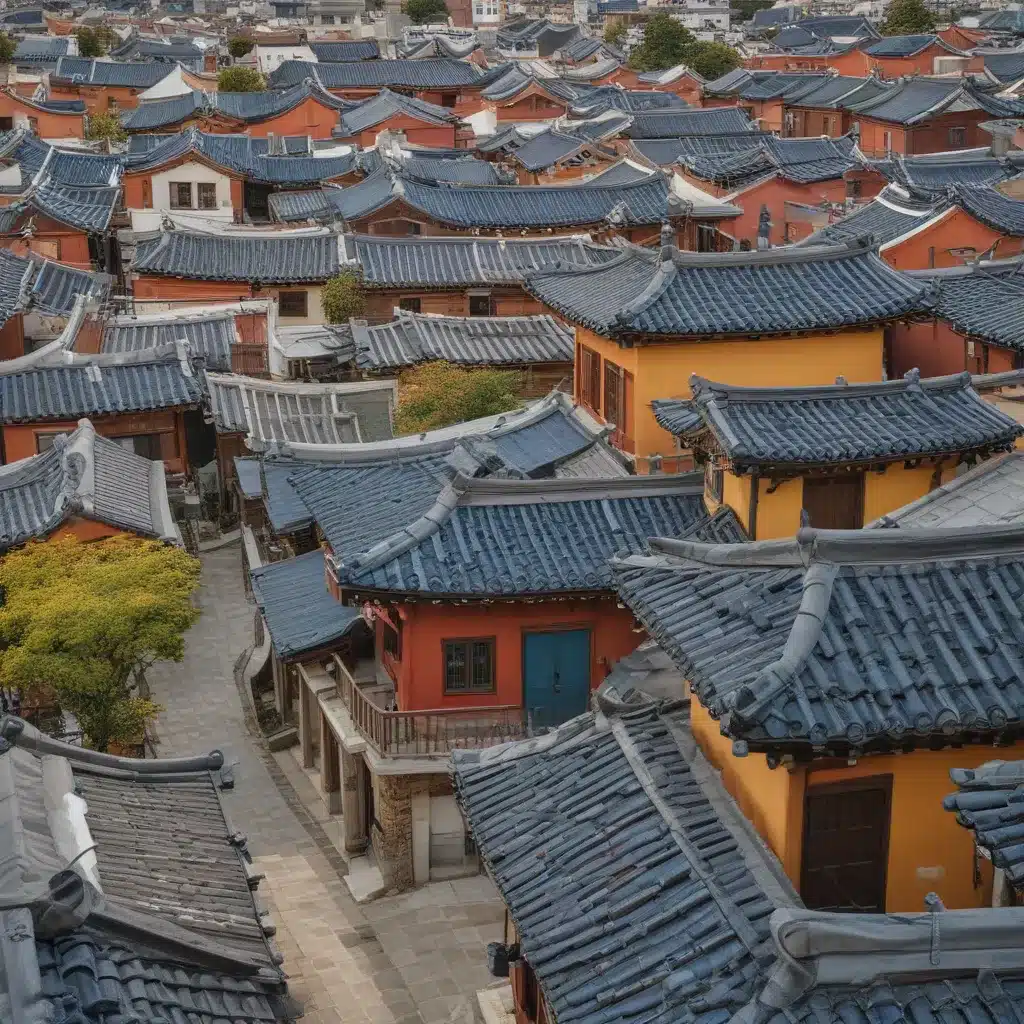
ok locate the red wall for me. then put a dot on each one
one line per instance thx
(420, 674)
(417, 132)
(774, 194)
(54, 242)
(47, 125)
(931, 137)
(936, 349)
(932, 247)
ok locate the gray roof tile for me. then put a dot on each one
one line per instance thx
(983, 301)
(887, 217)
(414, 338)
(906, 635)
(302, 615)
(395, 74)
(390, 104)
(991, 207)
(682, 293)
(140, 75)
(671, 124)
(344, 51)
(888, 421)
(210, 335)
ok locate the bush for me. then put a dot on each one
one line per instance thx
(7, 48)
(95, 42)
(342, 298)
(439, 394)
(425, 12)
(666, 43)
(615, 34)
(239, 46)
(241, 79)
(105, 126)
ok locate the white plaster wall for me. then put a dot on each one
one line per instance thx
(173, 84)
(194, 172)
(270, 57)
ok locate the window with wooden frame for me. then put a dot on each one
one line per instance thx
(714, 481)
(293, 303)
(409, 305)
(207, 195)
(469, 665)
(589, 375)
(181, 195)
(957, 138)
(618, 403)
(481, 305)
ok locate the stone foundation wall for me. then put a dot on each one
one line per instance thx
(392, 842)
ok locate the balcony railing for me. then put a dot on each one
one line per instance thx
(422, 733)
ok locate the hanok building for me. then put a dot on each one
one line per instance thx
(225, 178)
(976, 323)
(515, 95)
(86, 486)
(842, 765)
(462, 276)
(807, 315)
(823, 107)
(305, 109)
(441, 82)
(421, 123)
(391, 204)
(833, 457)
(291, 267)
(51, 120)
(939, 232)
(149, 401)
(131, 891)
(541, 349)
(924, 115)
(680, 80)
(104, 85)
(922, 54)
(566, 151)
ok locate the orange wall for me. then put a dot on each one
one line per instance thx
(932, 247)
(417, 132)
(47, 125)
(936, 349)
(12, 337)
(663, 370)
(507, 302)
(774, 194)
(530, 108)
(420, 682)
(96, 97)
(930, 137)
(928, 850)
(87, 529)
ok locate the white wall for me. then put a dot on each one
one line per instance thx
(170, 85)
(149, 220)
(270, 57)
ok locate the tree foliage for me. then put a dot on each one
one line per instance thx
(746, 9)
(7, 48)
(616, 32)
(342, 298)
(105, 126)
(907, 18)
(241, 79)
(94, 42)
(81, 622)
(666, 43)
(425, 12)
(440, 394)
(239, 46)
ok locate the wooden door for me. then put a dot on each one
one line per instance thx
(556, 675)
(835, 502)
(846, 845)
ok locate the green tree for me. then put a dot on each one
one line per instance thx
(616, 32)
(665, 44)
(239, 46)
(440, 394)
(81, 623)
(425, 12)
(712, 60)
(7, 48)
(105, 126)
(241, 79)
(746, 9)
(906, 18)
(94, 42)
(342, 298)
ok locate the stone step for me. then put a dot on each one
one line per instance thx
(364, 879)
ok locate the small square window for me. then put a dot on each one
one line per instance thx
(469, 666)
(181, 195)
(44, 442)
(409, 305)
(481, 305)
(207, 195)
(293, 303)
(957, 137)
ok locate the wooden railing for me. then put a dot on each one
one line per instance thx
(421, 733)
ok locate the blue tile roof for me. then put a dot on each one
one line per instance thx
(489, 538)
(984, 301)
(676, 415)
(394, 74)
(163, 113)
(462, 170)
(841, 423)
(388, 104)
(87, 208)
(458, 262)
(98, 385)
(108, 72)
(794, 289)
(890, 215)
(346, 50)
(904, 635)
(65, 167)
(46, 50)
(480, 340)
(675, 123)
(839, 26)
(272, 259)
(934, 174)
(547, 148)
(301, 614)
(1007, 66)
(905, 46)
(51, 288)
(210, 335)
(988, 801)
(991, 207)
(916, 99)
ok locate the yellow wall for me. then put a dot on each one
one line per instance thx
(928, 850)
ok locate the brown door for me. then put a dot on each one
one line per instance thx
(835, 502)
(846, 845)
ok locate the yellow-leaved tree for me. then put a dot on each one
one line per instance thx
(81, 622)
(441, 394)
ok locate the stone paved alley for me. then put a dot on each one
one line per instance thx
(416, 958)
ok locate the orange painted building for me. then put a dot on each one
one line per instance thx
(21, 112)
(898, 56)
(48, 238)
(949, 239)
(774, 194)
(531, 102)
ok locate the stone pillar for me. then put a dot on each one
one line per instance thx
(330, 775)
(420, 811)
(307, 710)
(353, 802)
(393, 843)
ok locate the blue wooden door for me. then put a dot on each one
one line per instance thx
(556, 675)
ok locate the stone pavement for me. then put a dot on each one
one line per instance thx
(418, 958)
